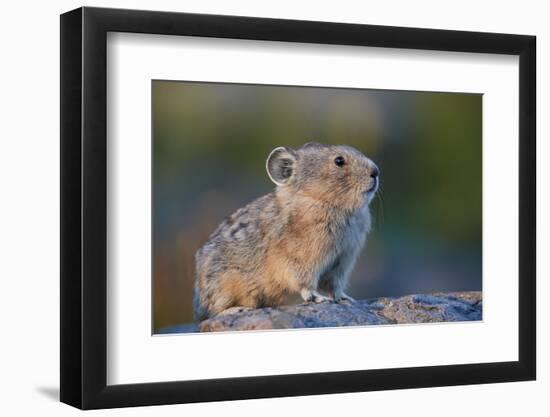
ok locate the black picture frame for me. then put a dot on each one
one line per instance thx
(84, 207)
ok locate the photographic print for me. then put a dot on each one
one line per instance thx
(334, 185)
(291, 207)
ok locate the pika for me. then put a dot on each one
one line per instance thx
(304, 237)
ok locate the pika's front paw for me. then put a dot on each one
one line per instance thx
(341, 297)
(313, 296)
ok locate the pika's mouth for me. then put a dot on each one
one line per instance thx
(373, 186)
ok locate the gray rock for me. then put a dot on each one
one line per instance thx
(179, 328)
(417, 308)
(432, 308)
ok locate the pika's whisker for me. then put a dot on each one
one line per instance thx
(380, 211)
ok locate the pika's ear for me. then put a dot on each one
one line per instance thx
(280, 165)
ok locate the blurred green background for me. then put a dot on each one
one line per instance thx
(210, 142)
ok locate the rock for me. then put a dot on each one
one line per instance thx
(308, 315)
(418, 308)
(179, 328)
(432, 308)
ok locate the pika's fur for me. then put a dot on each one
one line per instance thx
(304, 237)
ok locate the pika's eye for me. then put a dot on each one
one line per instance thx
(339, 161)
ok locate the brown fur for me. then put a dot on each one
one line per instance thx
(303, 237)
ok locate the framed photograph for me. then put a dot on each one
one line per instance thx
(257, 207)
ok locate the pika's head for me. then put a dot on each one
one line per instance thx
(335, 175)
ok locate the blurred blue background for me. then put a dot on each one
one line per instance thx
(210, 142)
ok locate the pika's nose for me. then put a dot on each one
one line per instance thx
(374, 171)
